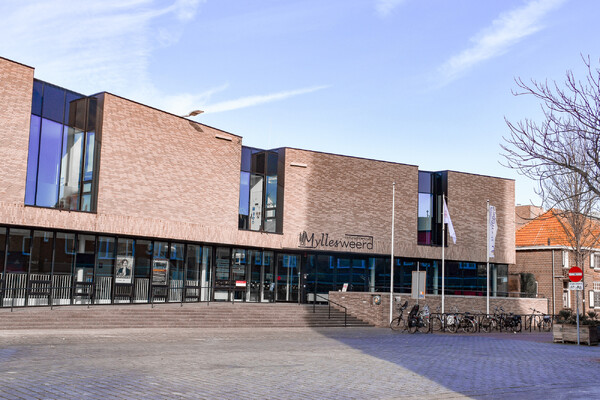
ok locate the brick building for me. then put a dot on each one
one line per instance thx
(106, 200)
(544, 256)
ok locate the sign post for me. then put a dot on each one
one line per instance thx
(575, 275)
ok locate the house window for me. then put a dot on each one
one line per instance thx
(595, 260)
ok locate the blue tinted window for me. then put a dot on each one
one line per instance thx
(424, 182)
(70, 106)
(54, 103)
(32, 160)
(272, 163)
(88, 166)
(49, 163)
(244, 192)
(36, 101)
(246, 158)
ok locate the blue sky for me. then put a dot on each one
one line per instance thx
(417, 82)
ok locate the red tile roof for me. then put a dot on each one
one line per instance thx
(546, 230)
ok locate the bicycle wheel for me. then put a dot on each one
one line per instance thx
(451, 325)
(529, 323)
(464, 325)
(412, 325)
(487, 324)
(398, 324)
(516, 326)
(436, 324)
(471, 326)
(423, 325)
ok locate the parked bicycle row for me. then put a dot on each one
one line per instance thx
(420, 319)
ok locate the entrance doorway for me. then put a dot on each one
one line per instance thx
(288, 278)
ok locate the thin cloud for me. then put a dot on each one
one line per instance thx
(251, 101)
(91, 46)
(385, 7)
(507, 30)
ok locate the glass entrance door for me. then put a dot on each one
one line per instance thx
(287, 281)
(239, 283)
(260, 276)
(255, 275)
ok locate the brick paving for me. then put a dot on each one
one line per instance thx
(291, 363)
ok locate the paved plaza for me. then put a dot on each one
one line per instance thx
(332, 363)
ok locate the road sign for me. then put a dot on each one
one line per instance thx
(575, 285)
(575, 274)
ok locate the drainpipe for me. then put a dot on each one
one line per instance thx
(553, 288)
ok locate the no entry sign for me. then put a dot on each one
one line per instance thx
(575, 274)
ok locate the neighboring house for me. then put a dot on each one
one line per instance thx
(544, 257)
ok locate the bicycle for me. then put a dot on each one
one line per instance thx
(418, 320)
(398, 323)
(491, 322)
(438, 321)
(544, 321)
(510, 321)
(467, 323)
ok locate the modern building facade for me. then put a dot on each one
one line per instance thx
(105, 200)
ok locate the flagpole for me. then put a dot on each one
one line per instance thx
(487, 256)
(443, 245)
(392, 254)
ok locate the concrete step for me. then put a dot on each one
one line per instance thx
(201, 315)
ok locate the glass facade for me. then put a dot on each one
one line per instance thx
(43, 267)
(261, 191)
(62, 149)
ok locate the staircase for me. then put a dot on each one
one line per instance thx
(173, 315)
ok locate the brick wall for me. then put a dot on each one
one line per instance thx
(342, 195)
(361, 305)
(16, 86)
(467, 195)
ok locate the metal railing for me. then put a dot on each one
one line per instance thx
(329, 302)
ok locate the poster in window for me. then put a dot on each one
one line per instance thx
(124, 269)
(160, 271)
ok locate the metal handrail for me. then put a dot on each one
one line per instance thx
(329, 302)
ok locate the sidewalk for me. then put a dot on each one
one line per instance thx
(291, 363)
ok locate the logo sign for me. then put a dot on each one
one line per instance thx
(323, 241)
(575, 285)
(575, 274)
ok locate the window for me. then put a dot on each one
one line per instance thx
(595, 260)
(261, 206)
(62, 148)
(429, 214)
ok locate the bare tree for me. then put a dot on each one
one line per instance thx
(567, 140)
(562, 153)
(572, 204)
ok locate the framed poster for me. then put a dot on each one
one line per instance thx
(160, 271)
(124, 272)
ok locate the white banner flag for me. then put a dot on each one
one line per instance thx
(492, 229)
(448, 221)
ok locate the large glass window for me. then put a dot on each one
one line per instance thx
(49, 161)
(17, 259)
(41, 253)
(432, 186)
(62, 147)
(260, 207)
